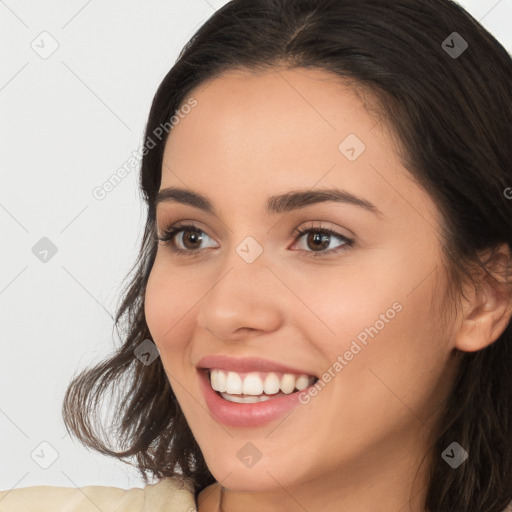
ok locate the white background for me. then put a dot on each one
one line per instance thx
(67, 123)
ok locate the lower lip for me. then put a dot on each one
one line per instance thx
(234, 414)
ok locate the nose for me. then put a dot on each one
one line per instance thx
(244, 299)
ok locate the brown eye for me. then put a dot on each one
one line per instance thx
(191, 238)
(317, 241)
(184, 239)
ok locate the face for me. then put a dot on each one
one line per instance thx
(339, 288)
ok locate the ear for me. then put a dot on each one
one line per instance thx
(488, 308)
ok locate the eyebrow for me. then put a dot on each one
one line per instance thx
(275, 204)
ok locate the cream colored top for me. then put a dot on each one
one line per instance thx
(167, 495)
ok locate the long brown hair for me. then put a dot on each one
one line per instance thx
(452, 119)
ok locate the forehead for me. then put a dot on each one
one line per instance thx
(273, 108)
(263, 133)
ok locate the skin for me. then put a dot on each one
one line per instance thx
(360, 441)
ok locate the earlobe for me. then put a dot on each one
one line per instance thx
(487, 312)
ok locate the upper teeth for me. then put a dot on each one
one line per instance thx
(256, 383)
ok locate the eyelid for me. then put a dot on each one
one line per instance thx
(301, 231)
(185, 223)
(174, 229)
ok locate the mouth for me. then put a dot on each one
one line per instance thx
(253, 387)
(250, 392)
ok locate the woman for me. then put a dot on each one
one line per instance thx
(320, 317)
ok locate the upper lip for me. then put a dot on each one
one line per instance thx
(247, 364)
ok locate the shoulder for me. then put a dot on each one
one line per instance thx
(170, 493)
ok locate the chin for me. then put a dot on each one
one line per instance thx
(263, 476)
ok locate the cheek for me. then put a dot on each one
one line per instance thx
(167, 302)
(378, 318)
(394, 363)
(169, 308)
(155, 305)
(341, 302)
(166, 305)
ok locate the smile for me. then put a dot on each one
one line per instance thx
(256, 386)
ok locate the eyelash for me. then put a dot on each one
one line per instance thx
(172, 231)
